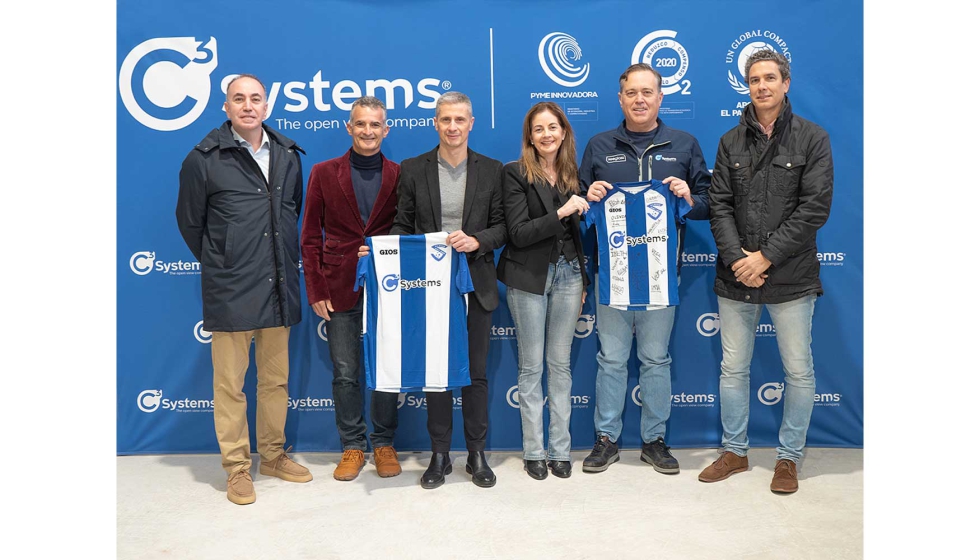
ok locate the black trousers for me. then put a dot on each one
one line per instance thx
(440, 405)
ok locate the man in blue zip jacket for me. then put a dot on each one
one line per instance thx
(642, 148)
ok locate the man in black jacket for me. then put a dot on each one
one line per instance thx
(455, 189)
(770, 193)
(238, 206)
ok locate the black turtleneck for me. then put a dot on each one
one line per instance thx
(365, 176)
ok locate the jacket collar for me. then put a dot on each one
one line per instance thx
(223, 138)
(751, 122)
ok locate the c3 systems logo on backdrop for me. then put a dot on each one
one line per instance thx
(152, 399)
(585, 326)
(698, 259)
(311, 404)
(145, 262)
(401, 399)
(831, 259)
(770, 393)
(709, 324)
(321, 330)
(739, 51)
(682, 400)
(514, 397)
(826, 399)
(420, 403)
(559, 55)
(765, 329)
(165, 83)
(202, 336)
(503, 333)
(667, 56)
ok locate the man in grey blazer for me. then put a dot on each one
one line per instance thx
(455, 189)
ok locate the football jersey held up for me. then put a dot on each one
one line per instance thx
(414, 327)
(636, 231)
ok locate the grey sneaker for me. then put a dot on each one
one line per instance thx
(658, 454)
(604, 453)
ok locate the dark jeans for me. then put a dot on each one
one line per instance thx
(344, 337)
(440, 405)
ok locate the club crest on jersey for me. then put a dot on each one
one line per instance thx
(616, 239)
(438, 252)
(390, 283)
(655, 210)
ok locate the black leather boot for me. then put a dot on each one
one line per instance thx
(476, 465)
(561, 469)
(536, 469)
(439, 466)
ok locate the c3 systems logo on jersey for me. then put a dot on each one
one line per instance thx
(616, 239)
(709, 324)
(321, 330)
(152, 399)
(559, 55)
(149, 400)
(390, 283)
(770, 393)
(438, 252)
(831, 259)
(667, 56)
(765, 329)
(202, 336)
(584, 326)
(739, 51)
(165, 83)
(145, 262)
(698, 259)
(514, 397)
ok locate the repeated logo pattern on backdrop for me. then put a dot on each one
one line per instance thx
(173, 70)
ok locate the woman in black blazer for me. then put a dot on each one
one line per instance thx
(543, 269)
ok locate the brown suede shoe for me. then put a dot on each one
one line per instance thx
(285, 468)
(386, 461)
(784, 477)
(350, 465)
(240, 489)
(724, 467)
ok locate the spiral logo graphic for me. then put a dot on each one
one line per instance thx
(514, 397)
(142, 262)
(165, 83)
(149, 400)
(202, 336)
(401, 399)
(771, 393)
(709, 324)
(559, 55)
(584, 326)
(321, 330)
(662, 42)
(636, 396)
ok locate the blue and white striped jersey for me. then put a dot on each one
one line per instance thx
(415, 335)
(636, 230)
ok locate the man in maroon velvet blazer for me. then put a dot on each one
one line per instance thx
(349, 199)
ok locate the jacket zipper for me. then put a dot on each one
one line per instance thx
(639, 162)
(272, 211)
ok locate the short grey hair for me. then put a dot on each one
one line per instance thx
(452, 98)
(252, 76)
(369, 102)
(768, 54)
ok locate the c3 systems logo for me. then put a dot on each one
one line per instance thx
(826, 399)
(698, 259)
(584, 326)
(765, 329)
(771, 393)
(635, 395)
(559, 55)
(149, 400)
(667, 56)
(390, 283)
(311, 404)
(831, 259)
(709, 324)
(202, 336)
(514, 397)
(739, 51)
(172, 78)
(682, 400)
(144, 262)
(321, 330)
(503, 333)
(616, 239)
(401, 399)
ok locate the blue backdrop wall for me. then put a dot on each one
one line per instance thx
(315, 57)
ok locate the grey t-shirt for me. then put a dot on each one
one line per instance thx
(452, 189)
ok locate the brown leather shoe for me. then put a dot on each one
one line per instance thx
(386, 461)
(784, 477)
(285, 468)
(350, 465)
(240, 489)
(724, 467)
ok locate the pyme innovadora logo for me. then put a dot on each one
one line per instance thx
(709, 324)
(202, 336)
(321, 330)
(584, 326)
(559, 55)
(746, 45)
(165, 83)
(667, 56)
(149, 400)
(770, 393)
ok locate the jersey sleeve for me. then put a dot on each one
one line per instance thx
(681, 209)
(595, 209)
(463, 280)
(364, 266)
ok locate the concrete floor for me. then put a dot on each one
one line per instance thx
(174, 506)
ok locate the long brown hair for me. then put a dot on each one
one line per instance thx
(566, 170)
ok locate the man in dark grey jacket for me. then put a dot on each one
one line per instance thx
(770, 193)
(241, 189)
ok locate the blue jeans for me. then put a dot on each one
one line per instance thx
(344, 338)
(615, 341)
(792, 321)
(545, 330)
